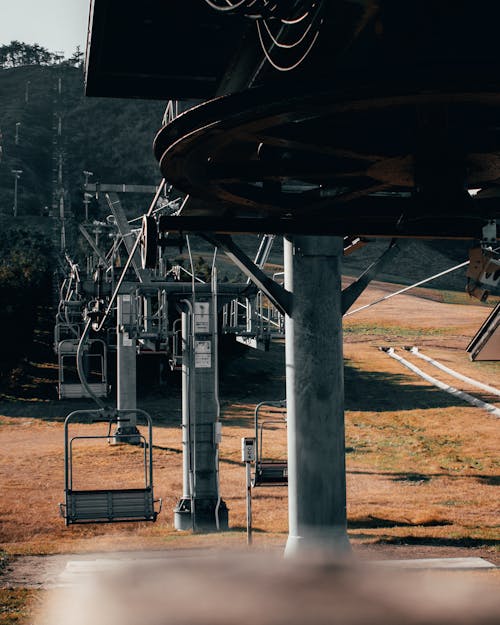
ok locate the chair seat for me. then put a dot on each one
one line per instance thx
(107, 506)
(272, 473)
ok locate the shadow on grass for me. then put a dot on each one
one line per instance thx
(371, 522)
(45, 410)
(419, 478)
(238, 529)
(248, 378)
(258, 376)
(427, 541)
(250, 374)
(163, 415)
(380, 392)
(238, 415)
(169, 449)
(489, 480)
(234, 463)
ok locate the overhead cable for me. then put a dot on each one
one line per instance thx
(407, 288)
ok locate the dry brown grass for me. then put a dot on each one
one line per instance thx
(17, 605)
(422, 468)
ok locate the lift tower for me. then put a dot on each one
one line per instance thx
(200, 507)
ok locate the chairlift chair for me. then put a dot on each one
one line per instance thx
(65, 331)
(95, 357)
(108, 505)
(269, 472)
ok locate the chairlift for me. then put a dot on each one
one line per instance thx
(269, 471)
(65, 331)
(95, 363)
(108, 505)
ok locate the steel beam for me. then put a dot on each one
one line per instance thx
(126, 232)
(96, 187)
(94, 247)
(350, 221)
(279, 296)
(351, 293)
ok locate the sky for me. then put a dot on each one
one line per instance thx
(58, 25)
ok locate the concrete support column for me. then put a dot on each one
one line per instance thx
(315, 396)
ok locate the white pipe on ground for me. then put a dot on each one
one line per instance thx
(474, 401)
(485, 387)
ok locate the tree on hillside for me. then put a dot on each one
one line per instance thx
(17, 53)
(25, 274)
(76, 59)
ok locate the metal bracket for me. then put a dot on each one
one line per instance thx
(278, 295)
(94, 247)
(122, 224)
(354, 290)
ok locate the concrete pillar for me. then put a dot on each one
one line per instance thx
(315, 396)
(202, 509)
(126, 372)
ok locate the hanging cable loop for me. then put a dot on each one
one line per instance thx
(305, 16)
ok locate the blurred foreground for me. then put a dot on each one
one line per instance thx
(263, 589)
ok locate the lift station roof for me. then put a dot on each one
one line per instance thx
(159, 49)
(387, 124)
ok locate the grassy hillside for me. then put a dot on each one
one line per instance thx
(416, 261)
(33, 152)
(109, 137)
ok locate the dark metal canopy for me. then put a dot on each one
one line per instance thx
(340, 161)
(159, 49)
(385, 127)
(184, 49)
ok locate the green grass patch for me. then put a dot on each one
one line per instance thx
(459, 297)
(367, 329)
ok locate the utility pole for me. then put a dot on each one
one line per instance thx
(17, 174)
(63, 224)
(16, 139)
(27, 92)
(87, 196)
